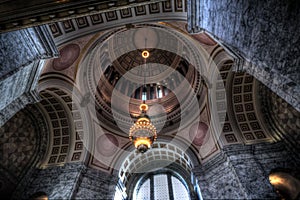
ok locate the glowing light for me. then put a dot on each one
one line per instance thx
(276, 180)
(143, 107)
(145, 54)
(142, 141)
(142, 133)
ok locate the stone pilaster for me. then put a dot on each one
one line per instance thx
(22, 47)
(242, 172)
(17, 92)
(250, 173)
(58, 182)
(21, 54)
(217, 180)
(194, 16)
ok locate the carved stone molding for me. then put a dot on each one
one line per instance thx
(14, 17)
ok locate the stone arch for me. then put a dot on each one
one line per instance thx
(243, 120)
(24, 143)
(174, 170)
(282, 118)
(164, 155)
(69, 139)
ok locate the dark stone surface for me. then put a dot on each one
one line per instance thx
(20, 54)
(23, 141)
(71, 181)
(22, 47)
(240, 172)
(266, 33)
(58, 182)
(96, 185)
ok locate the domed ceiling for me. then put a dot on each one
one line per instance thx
(105, 75)
(116, 73)
(102, 78)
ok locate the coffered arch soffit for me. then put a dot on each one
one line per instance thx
(68, 124)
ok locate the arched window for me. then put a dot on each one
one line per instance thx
(161, 186)
(165, 172)
(159, 92)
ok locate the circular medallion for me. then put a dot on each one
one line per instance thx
(107, 144)
(68, 56)
(198, 132)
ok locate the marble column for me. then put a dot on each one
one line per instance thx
(242, 171)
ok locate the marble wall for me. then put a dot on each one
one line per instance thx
(23, 141)
(20, 55)
(241, 172)
(95, 184)
(58, 182)
(22, 47)
(265, 33)
(71, 181)
(237, 172)
(16, 92)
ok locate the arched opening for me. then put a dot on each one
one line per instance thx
(165, 172)
(161, 185)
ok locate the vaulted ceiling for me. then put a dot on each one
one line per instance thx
(90, 94)
(206, 107)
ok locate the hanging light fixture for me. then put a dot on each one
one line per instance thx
(143, 133)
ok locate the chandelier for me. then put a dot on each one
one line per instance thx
(143, 133)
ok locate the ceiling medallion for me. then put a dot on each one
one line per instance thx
(143, 133)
